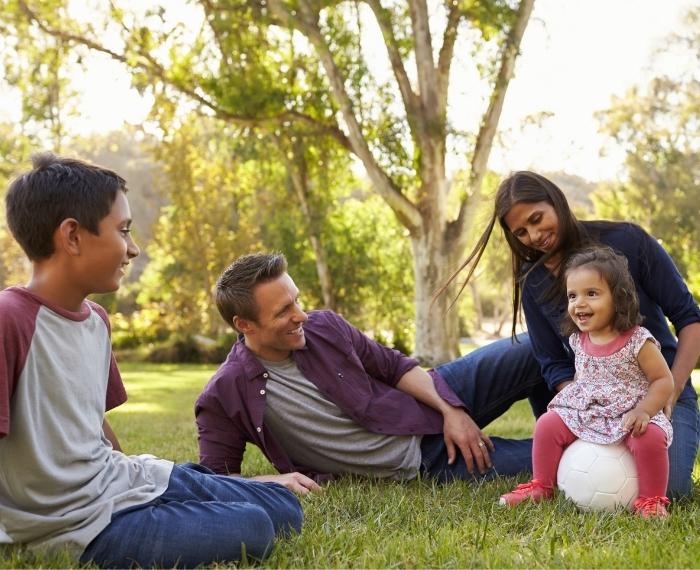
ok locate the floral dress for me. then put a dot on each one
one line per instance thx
(608, 383)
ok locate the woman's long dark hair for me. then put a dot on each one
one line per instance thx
(524, 187)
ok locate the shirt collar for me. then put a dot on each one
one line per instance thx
(251, 366)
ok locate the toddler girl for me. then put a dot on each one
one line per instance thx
(621, 387)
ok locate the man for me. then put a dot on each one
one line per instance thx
(320, 398)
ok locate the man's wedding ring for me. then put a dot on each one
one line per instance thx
(481, 444)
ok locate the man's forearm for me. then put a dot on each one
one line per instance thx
(418, 383)
(462, 435)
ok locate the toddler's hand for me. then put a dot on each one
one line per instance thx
(636, 421)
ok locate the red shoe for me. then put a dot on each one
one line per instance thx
(651, 507)
(534, 490)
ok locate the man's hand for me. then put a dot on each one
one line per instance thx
(635, 420)
(461, 432)
(459, 429)
(297, 482)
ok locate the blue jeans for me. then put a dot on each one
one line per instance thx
(681, 454)
(491, 379)
(201, 518)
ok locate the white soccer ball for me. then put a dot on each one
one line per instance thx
(598, 477)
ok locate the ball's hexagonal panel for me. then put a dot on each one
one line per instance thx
(607, 474)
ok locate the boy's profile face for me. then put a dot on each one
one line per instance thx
(104, 257)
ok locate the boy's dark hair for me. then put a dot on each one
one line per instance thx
(56, 189)
(234, 288)
(613, 268)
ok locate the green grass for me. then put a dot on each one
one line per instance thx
(364, 524)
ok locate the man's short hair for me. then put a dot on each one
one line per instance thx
(56, 189)
(234, 288)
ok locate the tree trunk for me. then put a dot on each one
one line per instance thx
(324, 273)
(436, 326)
(300, 182)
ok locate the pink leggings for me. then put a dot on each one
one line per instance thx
(552, 437)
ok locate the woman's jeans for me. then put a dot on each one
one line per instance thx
(491, 379)
(201, 518)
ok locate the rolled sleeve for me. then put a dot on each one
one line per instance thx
(445, 392)
(221, 445)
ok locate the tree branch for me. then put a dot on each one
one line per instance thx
(210, 13)
(307, 23)
(147, 63)
(425, 65)
(484, 140)
(446, 53)
(410, 99)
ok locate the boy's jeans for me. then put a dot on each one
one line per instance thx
(201, 518)
(490, 379)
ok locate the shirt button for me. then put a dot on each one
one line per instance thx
(340, 375)
(258, 429)
(262, 392)
(265, 375)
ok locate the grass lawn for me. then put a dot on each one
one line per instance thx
(364, 524)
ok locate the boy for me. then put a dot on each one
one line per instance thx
(63, 479)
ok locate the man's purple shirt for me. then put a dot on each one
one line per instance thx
(351, 370)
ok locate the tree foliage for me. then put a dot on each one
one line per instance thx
(219, 190)
(39, 65)
(292, 66)
(658, 127)
(15, 150)
(208, 221)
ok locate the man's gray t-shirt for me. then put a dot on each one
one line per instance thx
(318, 434)
(60, 479)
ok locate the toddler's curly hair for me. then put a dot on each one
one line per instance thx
(614, 269)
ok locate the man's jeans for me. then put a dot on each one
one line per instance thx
(490, 379)
(201, 518)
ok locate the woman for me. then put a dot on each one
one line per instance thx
(542, 233)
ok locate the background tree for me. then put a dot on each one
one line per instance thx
(238, 66)
(219, 189)
(491, 285)
(207, 221)
(14, 149)
(658, 127)
(309, 167)
(39, 64)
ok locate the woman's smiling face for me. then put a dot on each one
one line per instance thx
(535, 225)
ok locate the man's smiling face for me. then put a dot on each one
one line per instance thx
(278, 328)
